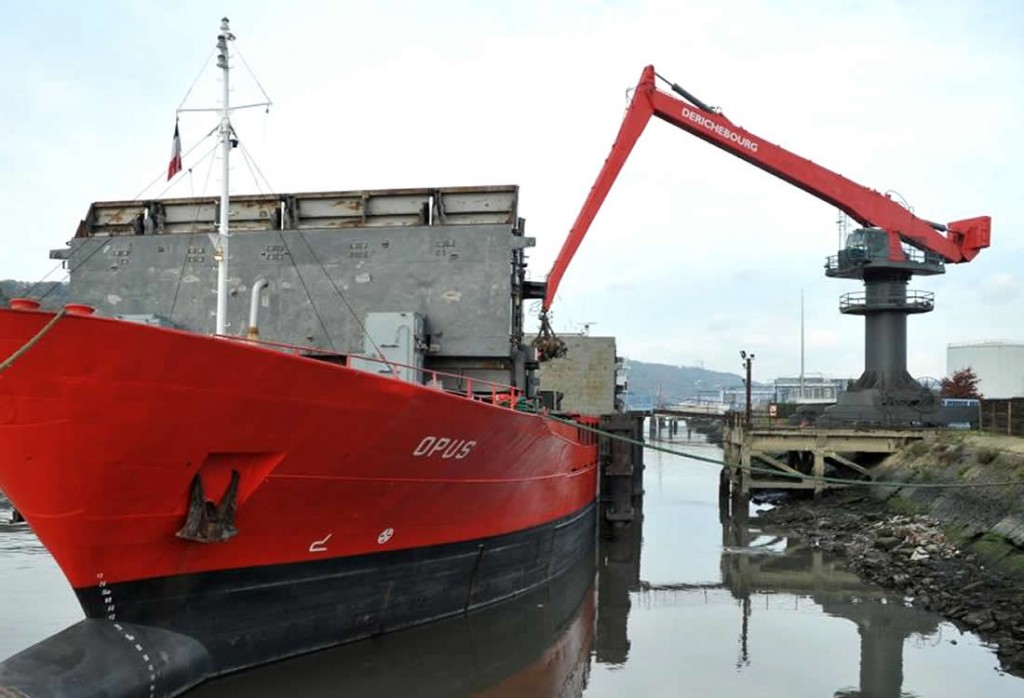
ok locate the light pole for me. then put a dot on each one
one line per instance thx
(747, 360)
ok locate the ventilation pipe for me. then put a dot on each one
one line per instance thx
(254, 307)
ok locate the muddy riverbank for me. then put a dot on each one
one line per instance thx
(953, 551)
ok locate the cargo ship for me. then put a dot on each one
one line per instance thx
(338, 435)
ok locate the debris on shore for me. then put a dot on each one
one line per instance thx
(911, 553)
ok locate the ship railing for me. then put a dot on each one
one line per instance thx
(499, 394)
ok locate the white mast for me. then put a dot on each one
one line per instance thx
(225, 141)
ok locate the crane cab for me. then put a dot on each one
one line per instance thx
(866, 244)
(868, 249)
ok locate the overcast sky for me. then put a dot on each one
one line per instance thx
(695, 254)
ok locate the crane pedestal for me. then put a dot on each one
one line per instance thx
(885, 394)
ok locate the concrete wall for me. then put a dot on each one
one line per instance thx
(990, 520)
(586, 376)
(998, 365)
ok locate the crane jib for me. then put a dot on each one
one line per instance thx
(712, 125)
(868, 207)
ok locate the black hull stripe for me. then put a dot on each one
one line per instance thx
(246, 617)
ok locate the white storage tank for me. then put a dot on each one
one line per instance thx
(998, 365)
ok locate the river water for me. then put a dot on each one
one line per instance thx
(696, 601)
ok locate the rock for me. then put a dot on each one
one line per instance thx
(919, 554)
(977, 618)
(887, 542)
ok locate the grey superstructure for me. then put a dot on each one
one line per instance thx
(452, 258)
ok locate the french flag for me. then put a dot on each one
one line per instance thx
(175, 166)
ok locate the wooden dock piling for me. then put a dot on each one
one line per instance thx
(621, 464)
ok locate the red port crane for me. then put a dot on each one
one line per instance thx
(958, 241)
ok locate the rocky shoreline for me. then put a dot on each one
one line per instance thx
(911, 554)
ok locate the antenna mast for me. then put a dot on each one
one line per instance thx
(842, 227)
(225, 141)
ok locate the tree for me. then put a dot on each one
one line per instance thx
(963, 383)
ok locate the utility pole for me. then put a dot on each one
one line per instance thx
(801, 345)
(747, 360)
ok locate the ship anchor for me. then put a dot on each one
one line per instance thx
(207, 522)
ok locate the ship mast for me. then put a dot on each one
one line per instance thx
(225, 142)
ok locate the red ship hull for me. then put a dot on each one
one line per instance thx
(353, 488)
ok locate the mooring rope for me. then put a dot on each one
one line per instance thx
(9, 361)
(772, 471)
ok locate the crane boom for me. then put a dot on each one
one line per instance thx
(961, 242)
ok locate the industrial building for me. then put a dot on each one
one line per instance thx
(809, 390)
(587, 378)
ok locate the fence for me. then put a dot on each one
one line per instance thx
(1003, 416)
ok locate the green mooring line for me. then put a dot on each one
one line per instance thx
(782, 473)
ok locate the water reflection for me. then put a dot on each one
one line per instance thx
(537, 645)
(15, 535)
(618, 575)
(699, 599)
(757, 559)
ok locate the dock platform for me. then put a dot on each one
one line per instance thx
(799, 454)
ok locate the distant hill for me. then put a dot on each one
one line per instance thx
(54, 294)
(677, 382)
